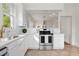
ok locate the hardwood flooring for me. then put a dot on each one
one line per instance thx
(67, 51)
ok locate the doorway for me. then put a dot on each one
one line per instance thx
(66, 28)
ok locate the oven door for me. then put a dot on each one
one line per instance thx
(48, 40)
(42, 39)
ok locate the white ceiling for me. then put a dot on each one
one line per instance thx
(43, 14)
(44, 6)
(43, 11)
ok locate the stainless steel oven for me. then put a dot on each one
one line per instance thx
(46, 40)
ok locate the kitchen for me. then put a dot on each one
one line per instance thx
(31, 27)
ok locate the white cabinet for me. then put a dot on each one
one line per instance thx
(16, 48)
(26, 42)
(19, 14)
(58, 41)
(21, 48)
(32, 42)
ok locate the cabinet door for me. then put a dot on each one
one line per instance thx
(32, 42)
(58, 44)
(17, 50)
(21, 48)
(14, 52)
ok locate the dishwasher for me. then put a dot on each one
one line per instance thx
(4, 51)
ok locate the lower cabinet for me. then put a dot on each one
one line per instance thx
(14, 52)
(17, 48)
(32, 42)
(58, 41)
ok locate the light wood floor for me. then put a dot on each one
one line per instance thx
(67, 51)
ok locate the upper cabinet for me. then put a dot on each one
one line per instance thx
(44, 6)
(16, 12)
(19, 14)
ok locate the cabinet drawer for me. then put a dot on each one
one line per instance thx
(58, 37)
(58, 43)
(46, 47)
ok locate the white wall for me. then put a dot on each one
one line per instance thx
(0, 20)
(66, 28)
(0, 16)
(44, 6)
(77, 24)
(73, 10)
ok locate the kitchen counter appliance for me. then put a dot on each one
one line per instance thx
(46, 39)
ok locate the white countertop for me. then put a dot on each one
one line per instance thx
(5, 41)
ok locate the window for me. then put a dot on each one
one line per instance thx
(5, 8)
